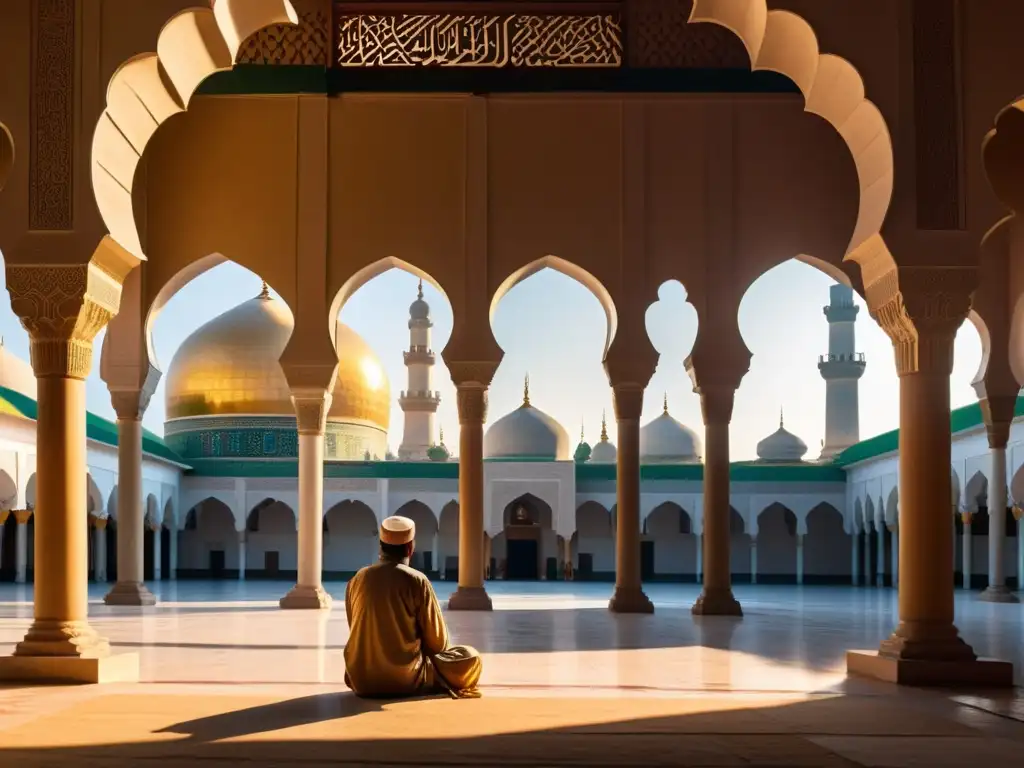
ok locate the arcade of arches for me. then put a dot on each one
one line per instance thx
(99, 229)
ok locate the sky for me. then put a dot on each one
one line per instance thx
(553, 329)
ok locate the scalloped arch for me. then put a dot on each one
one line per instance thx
(1003, 155)
(149, 89)
(783, 42)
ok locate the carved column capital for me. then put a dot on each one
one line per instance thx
(472, 403)
(4, 514)
(130, 405)
(997, 412)
(62, 307)
(921, 310)
(470, 373)
(22, 515)
(99, 523)
(716, 403)
(311, 407)
(628, 401)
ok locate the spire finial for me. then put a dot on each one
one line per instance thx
(526, 391)
(441, 437)
(781, 422)
(264, 291)
(604, 428)
(664, 405)
(419, 293)
(581, 430)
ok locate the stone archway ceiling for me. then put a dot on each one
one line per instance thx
(782, 42)
(152, 87)
(1003, 154)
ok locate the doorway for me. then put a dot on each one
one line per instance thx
(646, 560)
(522, 556)
(217, 564)
(272, 564)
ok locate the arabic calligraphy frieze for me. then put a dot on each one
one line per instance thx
(494, 41)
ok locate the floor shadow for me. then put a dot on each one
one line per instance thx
(815, 732)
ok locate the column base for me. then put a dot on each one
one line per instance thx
(470, 599)
(630, 600)
(62, 639)
(122, 668)
(998, 595)
(305, 598)
(976, 673)
(717, 602)
(130, 593)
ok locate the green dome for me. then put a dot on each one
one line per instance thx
(582, 454)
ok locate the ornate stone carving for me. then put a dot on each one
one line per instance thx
(478, 40)
(472, 403)
(660, 36)
(311, 407)
(286, 44)
(921, 310)
(628, 401)
(480, 372)
(132, 403)
(51, 143)
(62, 307)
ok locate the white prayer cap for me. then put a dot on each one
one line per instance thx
(397, 530)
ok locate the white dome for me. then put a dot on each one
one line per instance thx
(667, 441)
(527, 433)
(604, 451)
(16, 373)
(781, 445)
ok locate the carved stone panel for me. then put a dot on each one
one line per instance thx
(659, 36)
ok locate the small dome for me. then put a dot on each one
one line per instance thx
(419, 309)
(604, 452)
(16, 374)
(781, 445)
(526, 434)
(440, 451)
(667, 441)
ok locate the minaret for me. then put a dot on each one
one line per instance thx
(419, 402)
(841, 369)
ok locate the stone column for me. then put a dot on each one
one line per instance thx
(855, 558)
(567, 558)
(172, 560)
(716, 599)
(21, 516)
(880, 555)
(157, 533)
(130, 588)
(997, 591)
(894, 555)
(99, 549)
(753, 559)
(921, 311)
(470, 594)
(629, 596)
(799, 558)
(311, 408)
(241, 555)
(967, 518)
(63, 308)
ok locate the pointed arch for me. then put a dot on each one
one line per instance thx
(8, 491)
(892, 506)
(95, 503)
(567, 268)
(975, 490)
(826, 547)
(783, 42)
(150, 88)
(6, 154)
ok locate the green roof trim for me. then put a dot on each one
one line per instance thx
(96, 427)
(434, 470)
(960, 420)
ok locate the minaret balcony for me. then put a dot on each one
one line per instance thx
(842, 366)
(419, 400)
(419, 356)
(841, 313)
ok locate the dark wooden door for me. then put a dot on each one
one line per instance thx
(522, 559)
(218, 564)
(646, 560)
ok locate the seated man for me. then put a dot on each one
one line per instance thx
(398, 642)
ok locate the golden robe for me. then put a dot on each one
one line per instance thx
(398, 642)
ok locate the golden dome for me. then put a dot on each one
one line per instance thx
(230, 366)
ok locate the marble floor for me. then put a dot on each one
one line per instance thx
(228, 677)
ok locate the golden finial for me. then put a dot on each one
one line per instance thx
(264, 291)
(419, 294)
(441, 437)
(604, 428)
(526, 392)
(664, 405)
